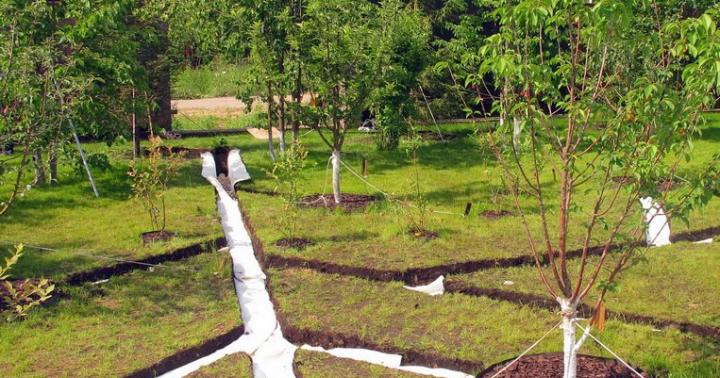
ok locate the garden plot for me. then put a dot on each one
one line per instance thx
(671, 283)
(469, 328)
(126, 324)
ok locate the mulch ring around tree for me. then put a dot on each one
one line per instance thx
(297, 243)
(177, 150)
(348, 202)
(423, 233)
(156, 236)
(551, 365)
(495, 214)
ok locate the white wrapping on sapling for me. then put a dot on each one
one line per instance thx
(658, 227)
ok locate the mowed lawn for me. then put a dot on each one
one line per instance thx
(149, 315)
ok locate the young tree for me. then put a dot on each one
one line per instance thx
(632, 85)
(339, 71)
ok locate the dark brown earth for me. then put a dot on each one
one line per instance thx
(551, 365)
(495, 214)
(423, 233)
(183, 151)
(156, 236)
(297, 243)
(348, 201)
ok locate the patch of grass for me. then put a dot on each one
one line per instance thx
(672, 282)
(185, 122)
(217, 79)
(470, 328)
(310, 364)
(125, 324)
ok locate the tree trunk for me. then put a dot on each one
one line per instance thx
(270, 100)
(53, 166)
(570, 344)
(282, 124)
(40, 178)
(516, 133)
(336, 175)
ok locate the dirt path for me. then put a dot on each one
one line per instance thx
(218, 106)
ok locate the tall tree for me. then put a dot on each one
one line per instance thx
(632, 83)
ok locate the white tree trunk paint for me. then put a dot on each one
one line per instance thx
(434, 288)
(391, 361)
(272, 355)
(516, 133)
(336, 174)
(569, 343)
(658, 227)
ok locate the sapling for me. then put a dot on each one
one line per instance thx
(150, 182)
(288, 175)
(20, 297)
(339, 72)
(631, 85)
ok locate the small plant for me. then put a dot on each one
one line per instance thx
(416, 211)
(288, 174)
(20, 297)
(150, 182)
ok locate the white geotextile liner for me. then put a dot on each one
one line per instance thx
(272, 355)
(434, 288)
(658, 226)
(237, 170)
(392, 361)
(182, 371)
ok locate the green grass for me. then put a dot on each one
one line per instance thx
(673, 282)
(471, 328)
(123, 325)
(145, 316)
(185, 122)
(310, 365)
(215, 80)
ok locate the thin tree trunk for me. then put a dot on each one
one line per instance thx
(53, 165)
(270, 100)
(570, 344)
(40, 177)
(297, 96)
(516, 133)
(336, 175)
(282, 124)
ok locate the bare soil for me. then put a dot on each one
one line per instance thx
(156, 236)
(551, 365)
(297, 243)
(423, 233)
(495, 214)
(348, 202)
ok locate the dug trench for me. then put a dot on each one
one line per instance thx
(418, 276)
(297, 336)
(329, 340)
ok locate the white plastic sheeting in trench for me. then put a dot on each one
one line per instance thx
(263, 340)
